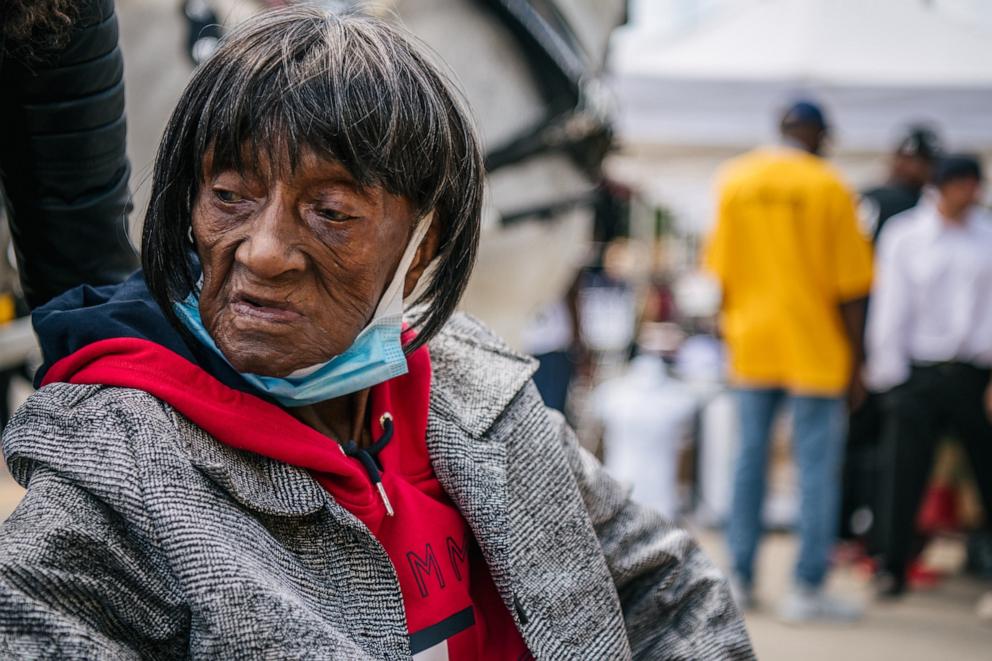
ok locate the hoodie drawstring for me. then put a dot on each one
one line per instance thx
(369, 458)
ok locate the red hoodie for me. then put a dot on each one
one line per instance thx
(453, 609)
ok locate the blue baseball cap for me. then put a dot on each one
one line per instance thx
(805, 112)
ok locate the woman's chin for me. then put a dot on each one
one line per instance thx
(265, 362)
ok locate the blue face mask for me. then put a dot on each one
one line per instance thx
(375, 356)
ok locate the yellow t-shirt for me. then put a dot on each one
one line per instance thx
(787, 252)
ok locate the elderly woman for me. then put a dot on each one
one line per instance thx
(243, 452)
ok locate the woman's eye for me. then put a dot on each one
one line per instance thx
(333, 214)
(226, 196)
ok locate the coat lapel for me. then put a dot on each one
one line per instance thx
(474, 476)
(471, 388)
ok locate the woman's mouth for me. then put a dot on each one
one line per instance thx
(264, 309)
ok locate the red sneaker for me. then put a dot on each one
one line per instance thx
(921, 577)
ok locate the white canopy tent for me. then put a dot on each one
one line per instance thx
(868, 42)
(688, 102)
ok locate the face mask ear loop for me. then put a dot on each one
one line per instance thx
(395, 289)
(427, 277)
(424, 283)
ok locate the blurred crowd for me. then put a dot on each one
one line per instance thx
(864, 319)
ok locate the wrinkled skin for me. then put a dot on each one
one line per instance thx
(293, 268)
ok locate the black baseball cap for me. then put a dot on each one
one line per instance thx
(920, 142)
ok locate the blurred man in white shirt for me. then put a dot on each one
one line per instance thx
(929, 343)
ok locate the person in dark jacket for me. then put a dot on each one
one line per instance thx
(63, 166)
(910, 169)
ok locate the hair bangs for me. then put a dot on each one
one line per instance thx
(339, 96)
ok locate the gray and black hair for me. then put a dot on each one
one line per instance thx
(353, 89)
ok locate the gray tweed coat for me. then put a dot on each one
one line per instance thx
(142, 537)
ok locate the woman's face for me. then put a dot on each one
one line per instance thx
(294, 268)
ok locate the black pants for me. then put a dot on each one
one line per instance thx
(948, 397)
(862, 466)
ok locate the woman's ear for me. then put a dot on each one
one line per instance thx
(425, 254)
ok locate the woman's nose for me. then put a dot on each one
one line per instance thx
(272, 247)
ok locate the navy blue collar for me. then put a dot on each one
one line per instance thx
(86, 314)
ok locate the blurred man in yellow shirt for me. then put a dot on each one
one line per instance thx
(795, 271)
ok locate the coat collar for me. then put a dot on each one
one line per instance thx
(476, 375)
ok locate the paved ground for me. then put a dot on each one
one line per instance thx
(936, 625)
